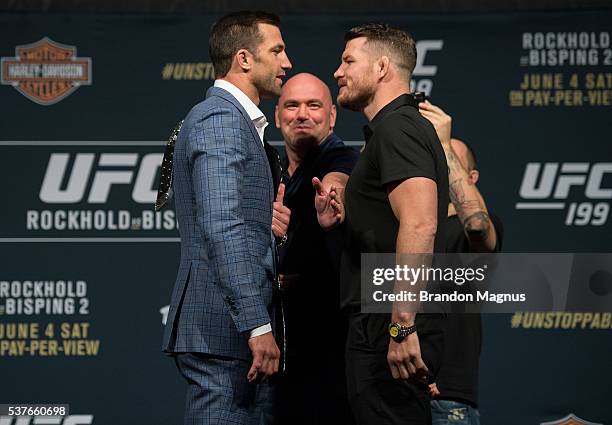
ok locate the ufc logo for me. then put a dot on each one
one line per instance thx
(51, 191)
(557, 179)
(423, 47)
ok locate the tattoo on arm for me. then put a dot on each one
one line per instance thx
(458, 198)
(456, 191)
(458, 176)
(467, 201)
(478, 224)
(453, 162)
(457, 185)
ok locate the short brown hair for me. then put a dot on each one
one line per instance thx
(234, 32)
(393, 41)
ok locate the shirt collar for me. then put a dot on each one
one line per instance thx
(329, 142)
(401, 100)
(255, 114)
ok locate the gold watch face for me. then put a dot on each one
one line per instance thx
(393, 331)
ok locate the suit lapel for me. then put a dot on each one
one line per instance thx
(215, 91)
(276, 167)
(224, 94)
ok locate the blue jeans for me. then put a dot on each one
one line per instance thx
(446, 412)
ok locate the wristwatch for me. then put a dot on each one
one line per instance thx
(398, 332)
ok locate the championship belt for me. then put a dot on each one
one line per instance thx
(164, 192)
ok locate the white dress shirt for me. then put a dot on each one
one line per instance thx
(257, 117)
(260, 122)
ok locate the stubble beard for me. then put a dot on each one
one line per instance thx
(304, 144)
(356, 99)
(267, 87)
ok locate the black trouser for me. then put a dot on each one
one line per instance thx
(313, 389)
(376, 398)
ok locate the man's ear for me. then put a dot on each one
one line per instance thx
(383, 64)
(332, 117)
(243, 59)
(474, 175)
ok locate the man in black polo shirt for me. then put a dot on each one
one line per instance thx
(312, 391)
(470, 228)
(395, 202)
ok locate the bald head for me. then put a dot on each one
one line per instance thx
(305, 83)
(305, 113)
(467, 159)
(464, 153)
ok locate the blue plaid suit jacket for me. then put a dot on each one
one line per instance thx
(223, 197)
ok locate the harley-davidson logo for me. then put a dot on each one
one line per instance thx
(46, 72)
(570, 419)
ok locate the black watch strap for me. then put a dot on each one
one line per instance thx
(399, 332)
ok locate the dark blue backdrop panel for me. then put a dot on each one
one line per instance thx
(86, 267)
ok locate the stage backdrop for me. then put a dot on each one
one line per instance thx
(86, 266)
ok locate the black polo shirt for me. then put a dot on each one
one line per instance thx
(400, 144)
(310, 251)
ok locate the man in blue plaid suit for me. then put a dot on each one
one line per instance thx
(219, 325)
